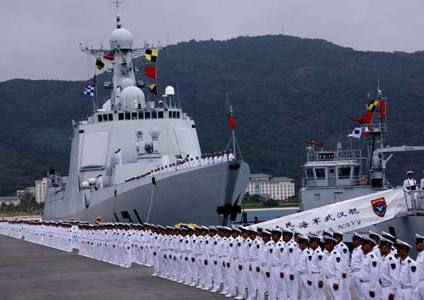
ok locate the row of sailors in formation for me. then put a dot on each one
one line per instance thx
(247, 263)
(189, 162)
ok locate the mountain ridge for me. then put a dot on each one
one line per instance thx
(285, 90)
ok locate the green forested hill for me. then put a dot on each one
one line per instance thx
(285, 90)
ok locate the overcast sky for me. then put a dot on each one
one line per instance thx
(40, 39)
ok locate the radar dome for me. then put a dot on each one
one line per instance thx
(121, 39)
(132, 96)
(169, 91)
(126, 82)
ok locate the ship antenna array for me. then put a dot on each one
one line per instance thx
(117, 3)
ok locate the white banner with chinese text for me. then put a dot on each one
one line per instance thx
(344, 216)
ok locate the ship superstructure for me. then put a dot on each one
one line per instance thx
(348, 172)
(138, 159)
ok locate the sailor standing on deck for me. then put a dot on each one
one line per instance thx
(118, 157)
(410, 184)
(419, 246)
(408, 272)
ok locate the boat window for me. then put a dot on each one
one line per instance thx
(134, 116)
(344, 172)
(160, 114)
(140, 115)
(147, 115)
(317, 197)
(174, 114)
(178, 114)
(355, 172)
(170, 114)
(127, 116)
(154, 115)
(320, 173)
(309, 173)
(120, 116)
(99, 117)
(110, 116)
(104, 117)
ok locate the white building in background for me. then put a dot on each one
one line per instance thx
(277, 188)
(40, 190)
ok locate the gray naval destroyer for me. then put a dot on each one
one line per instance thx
(139, 160)
(331, 176)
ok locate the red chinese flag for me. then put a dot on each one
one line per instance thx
(110, 56)
(232, 122)
(150, 71)
(366, 118)
(383, 107)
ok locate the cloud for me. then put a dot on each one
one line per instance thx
(40, 39)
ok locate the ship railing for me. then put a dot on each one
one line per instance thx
(334, 155)
(415, 201)
(187, 164)
(360, 180)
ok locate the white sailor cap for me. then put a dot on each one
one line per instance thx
(419, 238)
(409, 172)
(327, 233)
(227, 228)
(236, 230)
(266, 232)
(367, 239)
(204, 228)
(312, 236)
(297, 233)
(402, 244)
(383, 240)
(387, 235)
(286, 231)
(337, 233)
(356, 235)
(372, 233)
(329, 239)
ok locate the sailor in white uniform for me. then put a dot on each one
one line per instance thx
(410, 184)
(419, 246)
(408, 272)
(315, 268)
(344, 253)
(99, 182)
(332, 269)
(376, 237)
(389, 271)
(355, 263)
(118, 157)
(369, 271)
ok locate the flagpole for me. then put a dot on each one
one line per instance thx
(95, 90)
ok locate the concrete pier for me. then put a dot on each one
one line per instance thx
(31, 271)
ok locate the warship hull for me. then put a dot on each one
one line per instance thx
(191, 196)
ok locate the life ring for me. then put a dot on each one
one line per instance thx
(363, 180)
